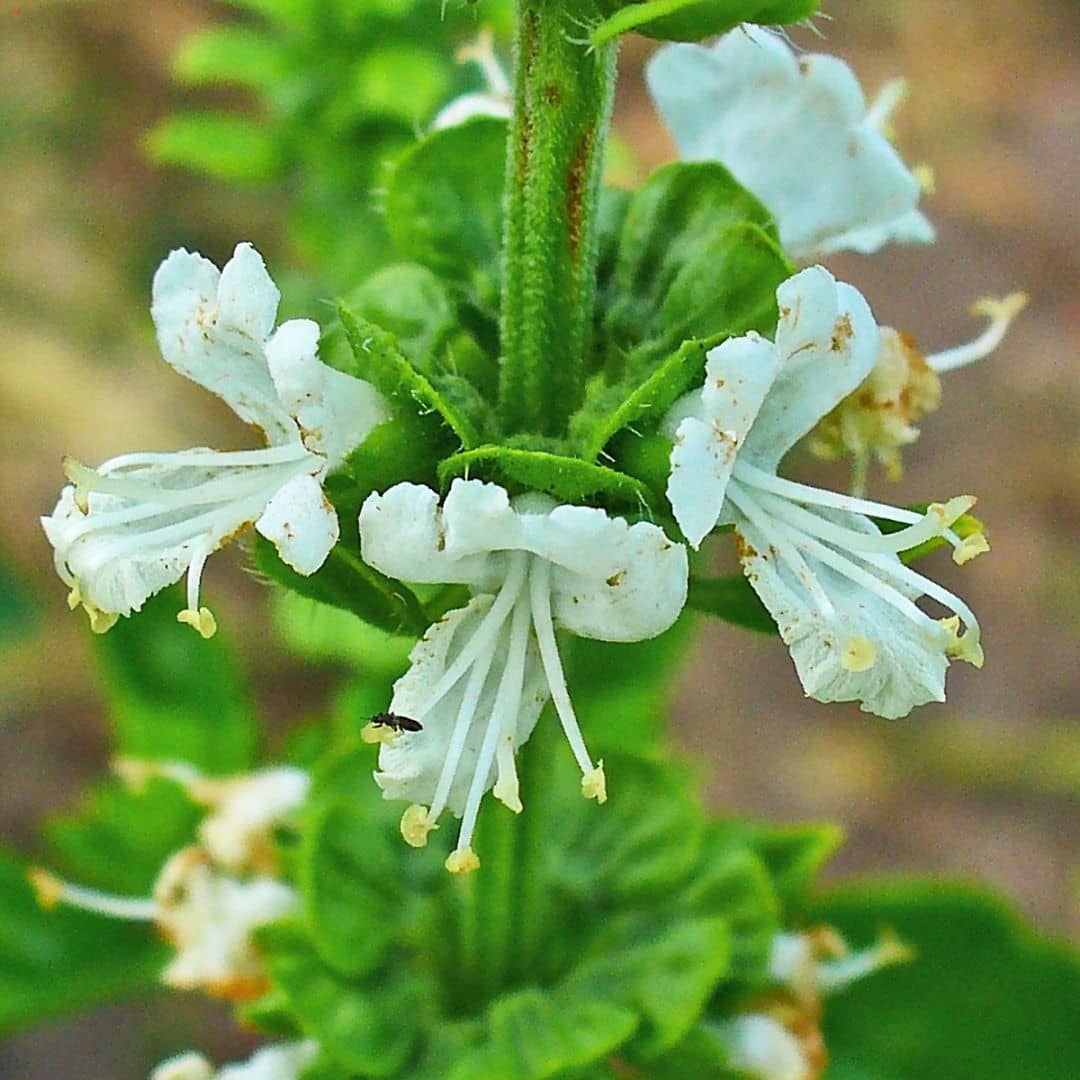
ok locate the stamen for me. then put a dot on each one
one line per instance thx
(506, 788)
(52, 890)
(416, 823)
(462, 861)
(934, 523)
(970, 547)
(202, 621)
(888, 99)
(504, 712)
(486, 631)
(786, 548)
(206, 459)
(378, 733)
(482, 53)
(833, 975)
(1000, 313)
(200, 618)
(540, 601)
(135, 773)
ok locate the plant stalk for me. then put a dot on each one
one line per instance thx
(562, 113)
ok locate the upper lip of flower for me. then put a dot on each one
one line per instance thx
(545, 564)
(138, 522)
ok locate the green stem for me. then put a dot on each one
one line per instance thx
(562, 112)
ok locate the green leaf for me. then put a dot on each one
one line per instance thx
(380, 361)
(643, 843)
(698, 257)
(233, 55)
(692, 20)
(368, 1029)
(732, 599)
(443, 207)
(412, 304)
(620, 690)
(793, 854)
(608, 409)
(667, 977)
(566, 479)
(221, 145)
(173, 695)
(53, 962)
(119, 840)
(379, 77)
(700, 1055)
(534, 1035)
(986, 998)
(735, 885)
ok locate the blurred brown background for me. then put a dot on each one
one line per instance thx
(985, 787)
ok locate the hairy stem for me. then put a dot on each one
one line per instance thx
(562, 112)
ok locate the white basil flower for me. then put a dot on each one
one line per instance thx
(759, 1046)
(245, 810)
(285, 1061)
(207, 916)
(480, 677)
(139, 522)
(493, 100)
(841, 597)
(796, 131)
(818, 962)
(877, 419)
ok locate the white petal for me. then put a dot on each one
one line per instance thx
(209, 918)
(828, 342)
(334, 411)
(285, 1062)
(410, 766)
(914, 227)
(738, 375)
(610, 580)
(761, 1047)
(404, 533)
(908, 655)
(467, 106)
(212, 328)
(184, 1067)
(301, 524)
(792, 129)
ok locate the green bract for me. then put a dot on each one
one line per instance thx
(692, 20)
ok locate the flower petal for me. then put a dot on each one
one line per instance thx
(301, 524)
(212, 327)
(404, 533)
(794, 130)
(708, 428)
(334, 411)
(410, 766)
(828, 342)
(865, 650)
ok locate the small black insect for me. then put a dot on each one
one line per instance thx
(397, 723)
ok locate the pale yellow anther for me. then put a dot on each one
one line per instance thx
(101, 622)
(480, 50)
(48, 888)
(952, 510)
(506, 790)
(970, 547)
(594, 784)
(74, 598)
(924, 177)
(966, 647)
(858, 655)
(378, 733)
(1002, 310)
(415, 825)
(202, 621)
(462, 861)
